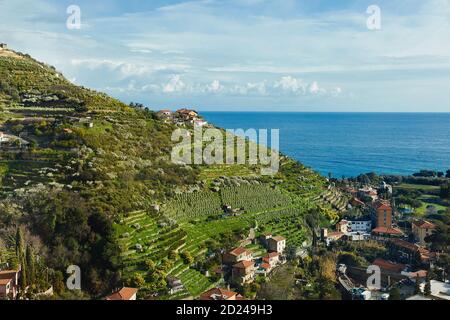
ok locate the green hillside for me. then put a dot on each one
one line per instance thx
(89, 181)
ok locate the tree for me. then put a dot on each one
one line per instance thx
(31, 269)
(448, 174)
(137, 280)
(417, 286)
(394, 294)
(427, 289)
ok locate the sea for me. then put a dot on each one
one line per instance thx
(348, 144)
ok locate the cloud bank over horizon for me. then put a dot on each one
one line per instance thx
(282, 55)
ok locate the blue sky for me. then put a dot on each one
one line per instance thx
(253, 55)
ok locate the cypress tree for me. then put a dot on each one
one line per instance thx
(31, 270)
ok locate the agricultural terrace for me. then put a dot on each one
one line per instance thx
(200, 218)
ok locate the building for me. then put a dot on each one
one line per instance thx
(3, 46)
(342, 226)
(187, 114)
(9, 283)
(243, 272)
(272, 258)
(439, 290)
(382, 212)
(409, 252)
(220, 294)
(175, 285)
(368, 192)
(123, 294)
(236, 255)
(276, 244)
(332, 236)
(200, 123)
(422, 229)
(359, 226)
(385, 232)
(389, 266)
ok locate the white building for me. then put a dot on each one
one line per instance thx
(359, 226)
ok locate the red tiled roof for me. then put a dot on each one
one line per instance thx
(389, 266)
(8, 274)
(266, 259)
(273, 254)
(219, 294)
(386, 230)
(238, 251)
(405, 244)
(265, 265)
(123, 294)
(4, 282)
(243, 264)
(382, 205)
(424, 224)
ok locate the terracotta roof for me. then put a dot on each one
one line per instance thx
(335, 234)
(382, 205)
(8, 274)
(265, 266)
(389, 266)
(238, 251)
(405, 244)
(266, 259)
(243, 264)
(386, 230)
(4, 282)
(123, 294)
(273, 254)
(219, 294)
(424, 224)
(278, 238)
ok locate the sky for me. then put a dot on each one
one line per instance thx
(245, 55)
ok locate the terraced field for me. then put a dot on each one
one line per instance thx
(142, 236)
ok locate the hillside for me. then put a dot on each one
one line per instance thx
(88, 180)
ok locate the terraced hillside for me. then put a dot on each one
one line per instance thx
(90, 181)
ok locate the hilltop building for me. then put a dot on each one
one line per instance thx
(220, 294)
(422, 229)
(3, 46)
(243, 272)
(236, 255)
(124, 294)
(9, 283)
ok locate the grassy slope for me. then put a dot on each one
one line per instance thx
(123, 162)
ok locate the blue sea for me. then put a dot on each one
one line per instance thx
(347, 144)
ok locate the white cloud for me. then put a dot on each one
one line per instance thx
(291, 84)
(175, 84)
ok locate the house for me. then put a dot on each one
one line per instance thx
(439, 290)
(359, 226)
(164, 112)
(3, 46)
(187, 114)
(417, 275)
(236, 255)
(272, 258)
(200, 123)
(342, 226)
(175, 285)
(388, 266)
(9, 282)
(123, 294)
(264, 268)
(243, 272)
(276, 244)
(368, 192)
(264, 238)
(422, 229)
(220, 294)
(385, 232)
(382, 213)
(332, 236)
(408, 251)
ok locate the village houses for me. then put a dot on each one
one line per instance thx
(422, 229)
(124, 294)
(9, 282)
